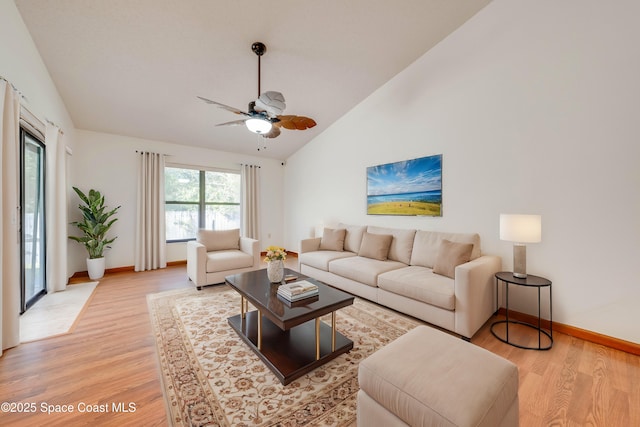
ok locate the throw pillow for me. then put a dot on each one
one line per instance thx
(218, 240)
(352, 237)
(451, 255)
(375, 246)
(332, 240)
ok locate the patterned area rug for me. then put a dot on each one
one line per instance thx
(211, 378)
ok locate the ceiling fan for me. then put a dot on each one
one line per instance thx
(265, 113)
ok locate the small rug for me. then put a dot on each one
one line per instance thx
(212, 378)
(55, 313)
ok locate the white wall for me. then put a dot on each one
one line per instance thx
(534, 106)
(107, 163)
(21, 64)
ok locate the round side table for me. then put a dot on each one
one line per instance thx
(532, 281)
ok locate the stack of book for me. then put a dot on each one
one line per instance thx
(297, 290)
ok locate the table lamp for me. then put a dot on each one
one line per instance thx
(520, 229)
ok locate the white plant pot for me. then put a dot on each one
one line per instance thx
(95, 267)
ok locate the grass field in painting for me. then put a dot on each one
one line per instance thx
(405, 208)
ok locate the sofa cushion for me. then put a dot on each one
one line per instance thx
(229, 259)
(321, 259)
(332, 239)
(217, 240)
(427, 244)
(353, 236)
(420, 284)
(375, 246)
(451, 255)
(361, 269)
(401, 244)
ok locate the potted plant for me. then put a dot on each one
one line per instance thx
(96, 221)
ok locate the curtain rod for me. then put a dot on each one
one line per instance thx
(53, 124)
(27, 100)
(142, 152)
(14, 87)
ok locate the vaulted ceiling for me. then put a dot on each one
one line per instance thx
(135, 67)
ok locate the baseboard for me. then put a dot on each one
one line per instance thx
(129, 268)
(583, 334)
(289, 254)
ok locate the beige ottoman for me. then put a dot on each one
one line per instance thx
(430, 378)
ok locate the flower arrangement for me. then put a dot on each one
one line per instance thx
(275, 253)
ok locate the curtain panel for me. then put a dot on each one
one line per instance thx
(56, 211)
(9, 216)
(250, 180)
(150, 242)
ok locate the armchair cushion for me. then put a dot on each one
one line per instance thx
(218, 240)
(206, 267)
(228, 260)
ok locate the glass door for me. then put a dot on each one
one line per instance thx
(32, 228)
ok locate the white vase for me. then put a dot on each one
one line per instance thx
(95, 267)
(275, 271)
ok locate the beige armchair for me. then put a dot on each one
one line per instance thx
(219, 253)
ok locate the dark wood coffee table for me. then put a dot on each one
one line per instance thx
(288, 337)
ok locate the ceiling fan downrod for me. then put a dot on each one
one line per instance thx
(259, 49)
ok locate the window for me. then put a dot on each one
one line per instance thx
(200, 199)
(32, 229)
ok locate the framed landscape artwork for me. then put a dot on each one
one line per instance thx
(410, 187)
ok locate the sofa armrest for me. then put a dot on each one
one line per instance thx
(197, 263)
(310, 245)
(474, 289)
(251, 247)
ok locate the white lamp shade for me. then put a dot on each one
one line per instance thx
(521, 228)
(258, 125)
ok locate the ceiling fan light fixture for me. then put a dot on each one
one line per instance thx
(259, 126)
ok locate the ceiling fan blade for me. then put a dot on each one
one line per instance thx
(271, 102)
(274, 132)
(233, 123)
(226, 107)
(295, 122)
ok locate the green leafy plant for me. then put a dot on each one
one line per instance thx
(96, 221)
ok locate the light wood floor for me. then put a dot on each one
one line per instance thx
(110, 358)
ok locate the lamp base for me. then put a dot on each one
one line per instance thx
(519, 261)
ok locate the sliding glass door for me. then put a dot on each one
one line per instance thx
(32, 228)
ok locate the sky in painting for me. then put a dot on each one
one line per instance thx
(409, 176)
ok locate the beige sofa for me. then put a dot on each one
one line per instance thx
(216, 254)
(441, 278)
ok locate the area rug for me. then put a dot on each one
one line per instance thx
(55, 313)
(212, 378)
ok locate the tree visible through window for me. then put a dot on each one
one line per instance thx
(200, 199)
